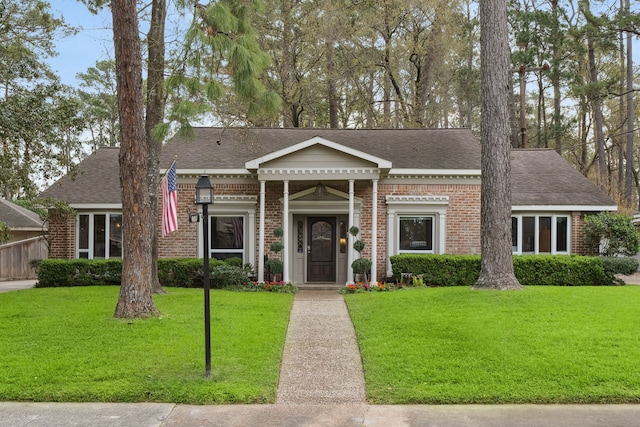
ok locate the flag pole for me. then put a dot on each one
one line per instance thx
(170, 166)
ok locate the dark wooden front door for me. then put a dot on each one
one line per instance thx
(321, 249)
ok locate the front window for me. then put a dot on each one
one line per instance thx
(416, 234)
(540, 234)
(227, 237)
(99, 235)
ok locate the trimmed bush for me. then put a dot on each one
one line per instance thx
(463, 270)
(620, 265)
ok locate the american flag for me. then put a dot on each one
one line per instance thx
(169, 201)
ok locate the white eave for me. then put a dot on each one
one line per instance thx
(96, 206)
(562, 208)
(434, 172)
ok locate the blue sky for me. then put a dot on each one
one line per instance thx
(93, 42)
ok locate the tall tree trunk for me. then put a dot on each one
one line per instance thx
(135, 290)
(331, 86)
(628, 181)
(495, 218)
(597, 109)
(555, 78)
(154, 117)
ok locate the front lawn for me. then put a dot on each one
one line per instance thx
(540, 345)
(63, 344)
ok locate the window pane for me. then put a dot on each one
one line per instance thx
(115, 236)
(514, 234)
(416, 233)
(227, 232)
(544, 234)
(99, 235)
(528, 234)
(83, 232)
(562, 229)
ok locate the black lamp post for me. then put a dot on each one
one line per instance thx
(204, 197)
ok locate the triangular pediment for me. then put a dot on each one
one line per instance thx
(317, 153)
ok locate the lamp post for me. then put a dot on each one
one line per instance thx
(204, 197)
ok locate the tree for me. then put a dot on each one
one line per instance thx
(611, 234)
(135, 298)
(495, 218)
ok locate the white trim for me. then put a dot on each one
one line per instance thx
(435, 172)
(255, 163)
(212, 172)
(95, 206)
(562, 208)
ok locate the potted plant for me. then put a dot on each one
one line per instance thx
(360, 266)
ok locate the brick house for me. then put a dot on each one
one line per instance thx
(407, 190)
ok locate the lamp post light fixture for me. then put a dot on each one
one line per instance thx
(204, 197)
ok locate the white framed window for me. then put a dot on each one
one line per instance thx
(99, 235)
(540, 234)
(227, 237)
(416, 233)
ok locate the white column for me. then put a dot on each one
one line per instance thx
(285, 237)
(261, 234)
(443, 233)
(350, 236)
(391, 238)
(374, 232)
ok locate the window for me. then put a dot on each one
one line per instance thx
(416, 234)
(227, 237)
(99, 235)
(540, 234)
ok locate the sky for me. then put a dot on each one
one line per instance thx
(93, 42)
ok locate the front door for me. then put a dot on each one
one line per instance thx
(321, 249)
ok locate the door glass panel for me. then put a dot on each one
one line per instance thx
(115, 236)
(99, 235)
(544, 234)
(321, 250)
(83, 232)
(561, 233)
(528, 234)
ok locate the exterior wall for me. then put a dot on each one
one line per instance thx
(61, 236)
(578, 246)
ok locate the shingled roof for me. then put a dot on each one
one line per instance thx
(541, 177)
(19, 218)
(96, 180)
(222, 148)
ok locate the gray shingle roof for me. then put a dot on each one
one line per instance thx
(19, 218)
(539, 177)
(543, 177)
(405, 148)
(97, 180)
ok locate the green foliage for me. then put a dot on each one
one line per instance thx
(276, 247)
(274, 266)
(278, 232)
(530, 270)
(224, 275)
(172, 272)
(4, 232)
(620, 265)
(235, 261)
(615, 232)
(358, 245)
(361, 265)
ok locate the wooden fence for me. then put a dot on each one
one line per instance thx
(15, 258)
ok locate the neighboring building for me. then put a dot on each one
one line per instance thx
(414, 190)
(23, 223)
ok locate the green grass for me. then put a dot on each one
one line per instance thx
(540, 345)
(63, 344)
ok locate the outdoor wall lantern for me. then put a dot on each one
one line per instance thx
(204, 197)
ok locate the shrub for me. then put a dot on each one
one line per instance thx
(619, 265)
(463, 270)
(611, 234)
(4, 233)
(79, 272)
(235, 261)
(274, 266)
(224, 275)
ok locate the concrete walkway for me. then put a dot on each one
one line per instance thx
(16, 285)
(321, 363)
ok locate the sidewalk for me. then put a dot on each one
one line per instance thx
(321, 385)
(16, 285)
